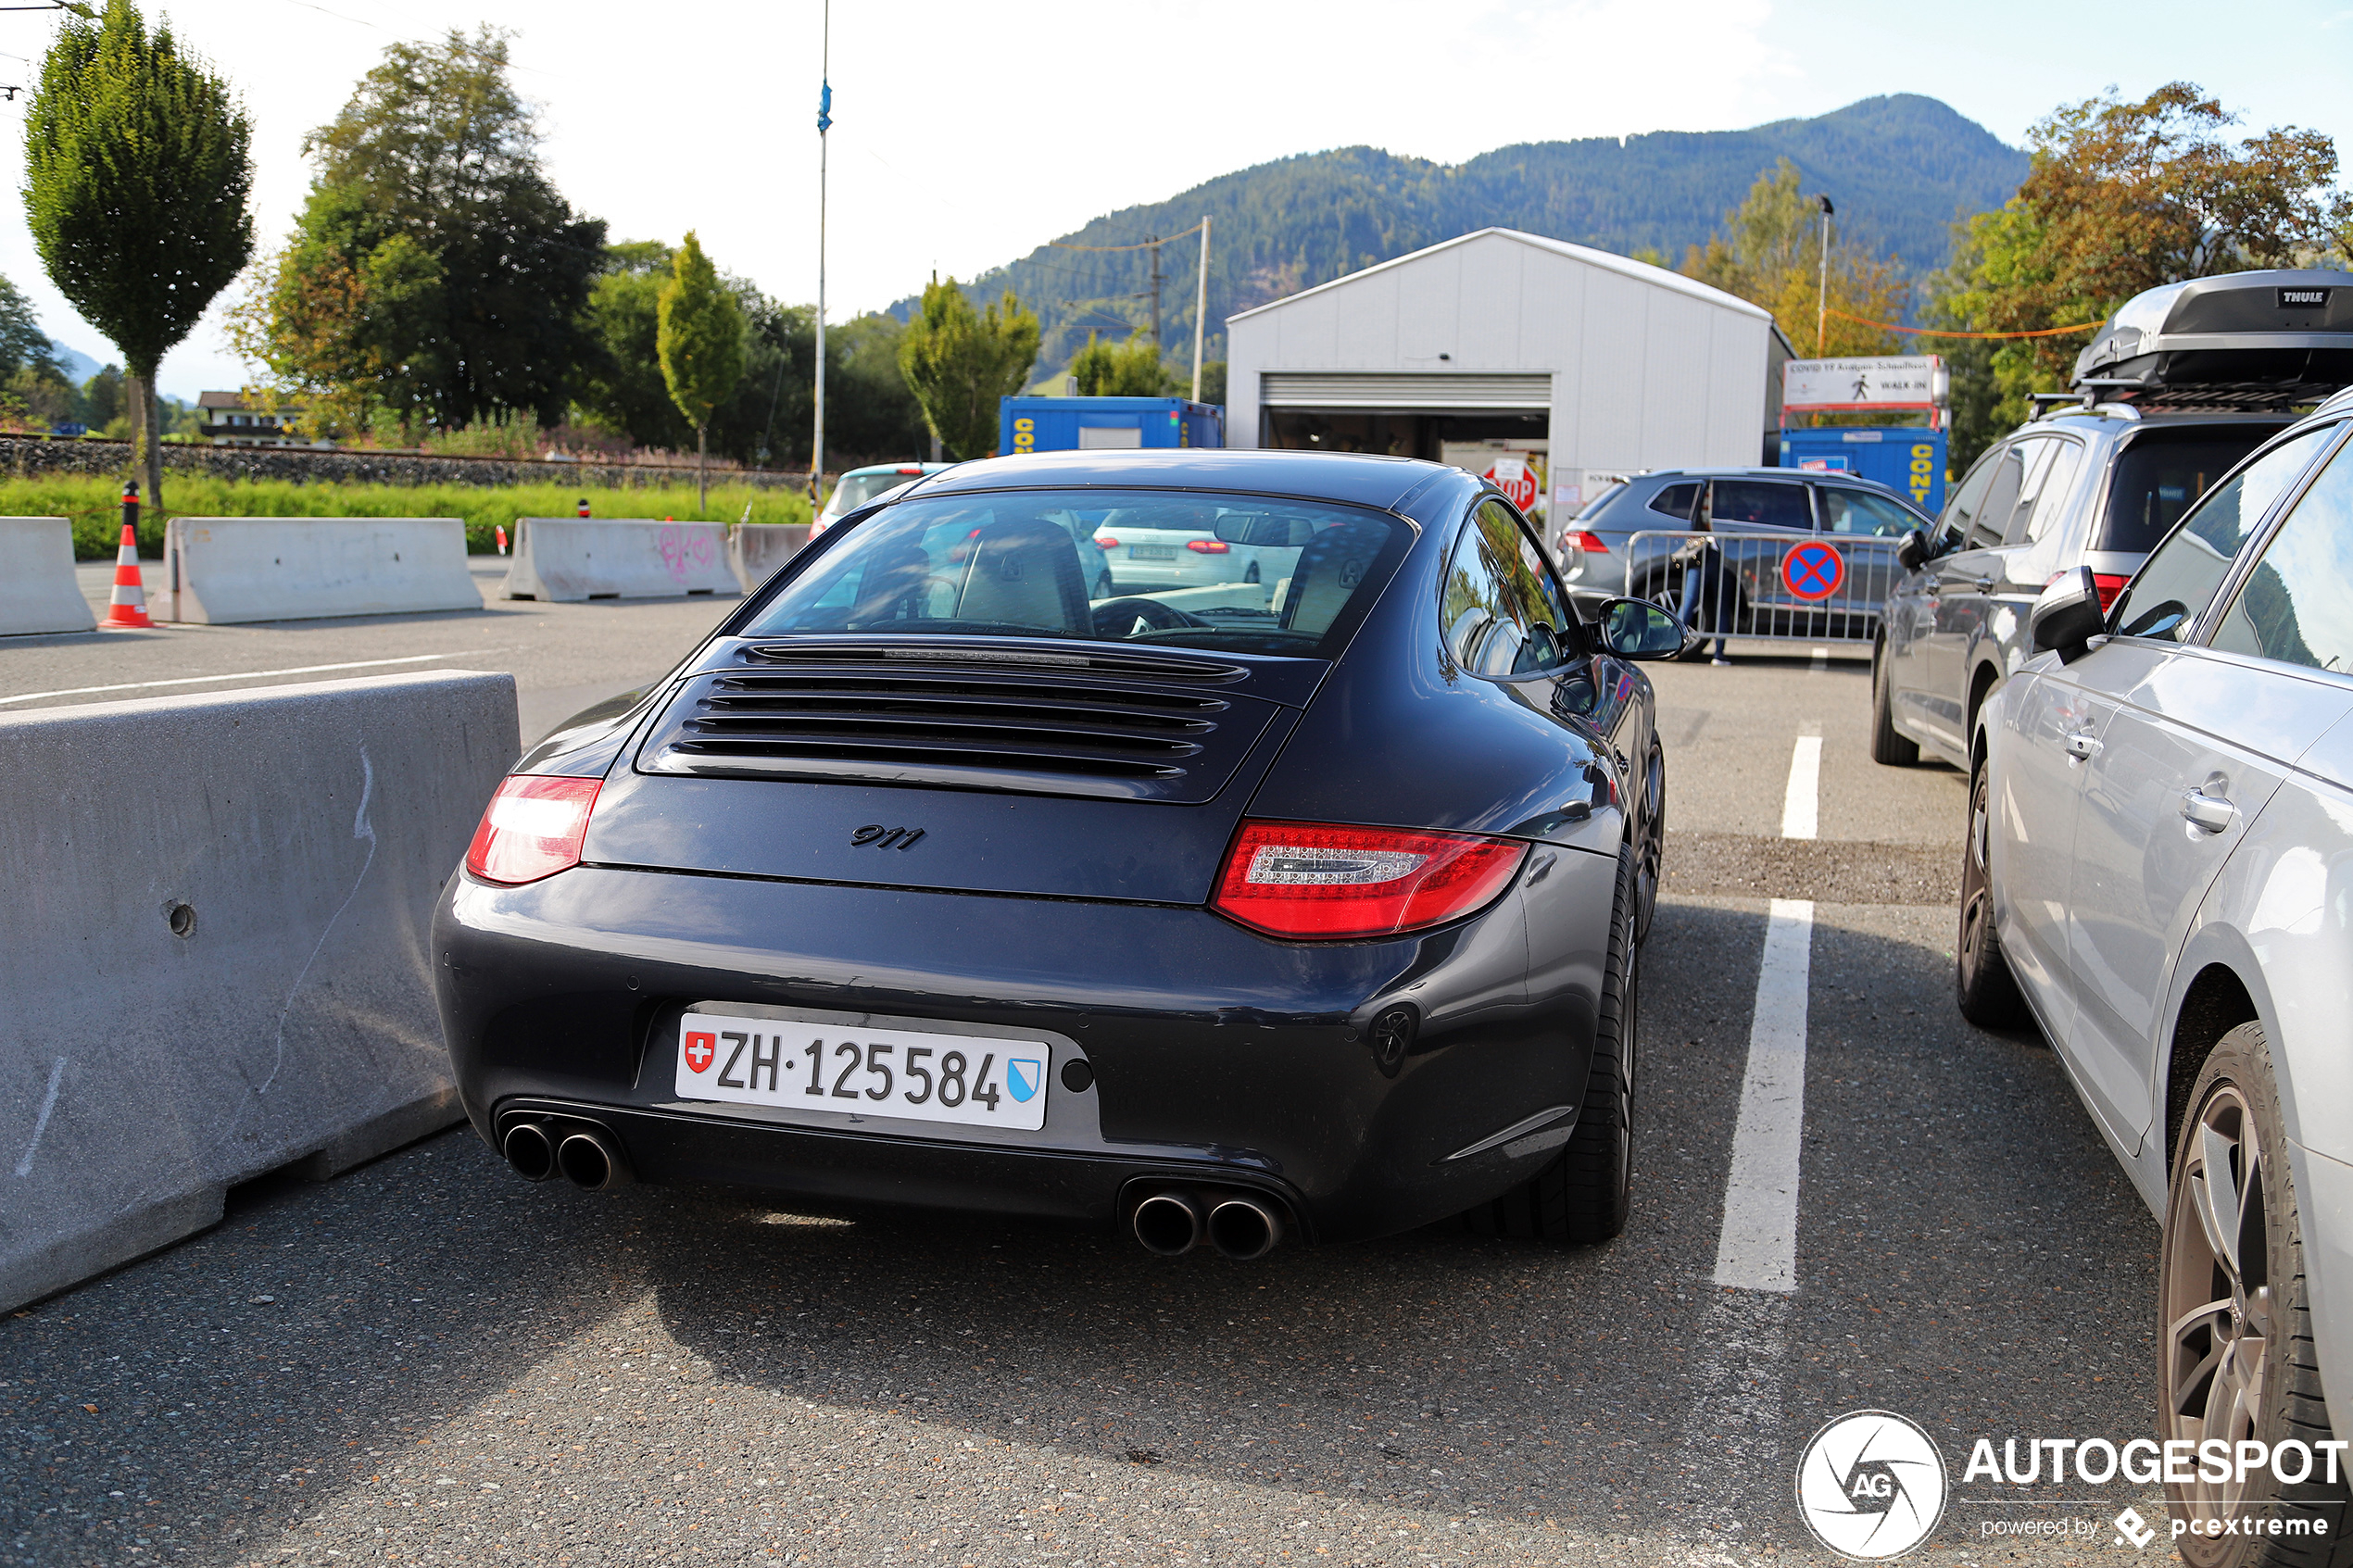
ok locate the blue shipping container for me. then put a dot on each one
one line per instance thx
(1908, 460)
(1074, 424)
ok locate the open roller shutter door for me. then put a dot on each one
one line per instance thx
(1443, 392)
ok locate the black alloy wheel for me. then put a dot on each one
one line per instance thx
(1887, 747)
(1982, 982)
(1584, 1193)
(2234, 1320)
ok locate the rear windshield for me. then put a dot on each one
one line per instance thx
(858, 489)
(1284, 577)
(2161, 472)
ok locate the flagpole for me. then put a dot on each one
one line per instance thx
(825, 123)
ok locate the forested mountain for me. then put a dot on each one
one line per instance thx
(1901, 169)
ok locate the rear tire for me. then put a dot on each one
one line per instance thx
(1982, 982)
(1585, 1192)
(1888, 747)
(2235, 1358)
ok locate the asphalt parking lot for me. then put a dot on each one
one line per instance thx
(429, 1361)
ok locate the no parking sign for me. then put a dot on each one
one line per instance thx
(1813, 570)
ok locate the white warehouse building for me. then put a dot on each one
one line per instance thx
(1571, 365)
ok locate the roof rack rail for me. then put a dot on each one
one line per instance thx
(2237, 398)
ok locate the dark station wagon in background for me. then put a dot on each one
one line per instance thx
(929, 879)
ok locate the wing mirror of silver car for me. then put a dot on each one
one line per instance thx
(1638, 629)
(1913, 550)
(2068, 616)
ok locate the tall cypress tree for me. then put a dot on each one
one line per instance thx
(138, 165)
(699, 337)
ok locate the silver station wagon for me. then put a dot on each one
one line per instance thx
(2159, 872)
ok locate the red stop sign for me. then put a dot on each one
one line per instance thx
(1516, 480)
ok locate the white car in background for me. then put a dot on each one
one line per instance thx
(861, 487)
(2160, 872)
(1145, 549)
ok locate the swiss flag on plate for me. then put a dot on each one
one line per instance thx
(701, 1048)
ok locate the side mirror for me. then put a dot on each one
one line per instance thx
(2068, 616)
(1264, 530)
(1913, 551)
(1638, 629)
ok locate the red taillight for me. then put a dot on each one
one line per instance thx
(1587, 540)
(1306, 880)
(911, 469)
(532, 828)
(1208, 546)
(2109, 585)
(1105, 542)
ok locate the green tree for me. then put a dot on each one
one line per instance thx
(137, 169)
(700, 338)
(436, 271)
(959, 361)
(1769, 253)
(23, 346)
(1132, 369)
(103, 400)
(2124, 196)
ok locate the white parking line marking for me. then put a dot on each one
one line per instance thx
(1756, 1249)
(1821, 660)
(1801, 807)
(245, 676)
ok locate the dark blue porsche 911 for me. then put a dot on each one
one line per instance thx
(1307, 905)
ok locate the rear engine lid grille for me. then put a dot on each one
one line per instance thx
(1028, 727)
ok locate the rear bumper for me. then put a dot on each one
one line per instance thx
(1216, 1055)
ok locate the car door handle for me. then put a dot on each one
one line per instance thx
(1985, 584)
(2082, 746)
(2210, 813)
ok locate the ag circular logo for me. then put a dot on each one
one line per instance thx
(1871, 1486)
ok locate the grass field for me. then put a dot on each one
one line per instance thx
(94, 505)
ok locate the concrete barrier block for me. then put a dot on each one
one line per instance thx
(222, 570)
(215, 947)
(38, 592)
(756, 549)
(568, 559)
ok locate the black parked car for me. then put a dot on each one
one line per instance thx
(926, 880)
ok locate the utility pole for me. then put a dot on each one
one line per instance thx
(1154, 243)
(825, 123)
(1200, 307)
(1822, 294)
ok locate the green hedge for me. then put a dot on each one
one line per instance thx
(94, 505)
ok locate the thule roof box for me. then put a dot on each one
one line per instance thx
(2246, 340)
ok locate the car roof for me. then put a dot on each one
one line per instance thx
(897, 468)
(1357, 478)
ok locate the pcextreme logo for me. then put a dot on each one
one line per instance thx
(1871, 1486)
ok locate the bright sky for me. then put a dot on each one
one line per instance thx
(968, 134)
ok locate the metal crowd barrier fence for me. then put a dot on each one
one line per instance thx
(1813, 588)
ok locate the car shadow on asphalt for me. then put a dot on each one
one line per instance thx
(233, 1386)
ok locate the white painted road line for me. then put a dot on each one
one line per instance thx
(1756, 1249)
(1801, 807)
(247, 675)
(1821, 661)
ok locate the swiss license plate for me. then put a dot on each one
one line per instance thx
(912, 1075)
(1152, 552)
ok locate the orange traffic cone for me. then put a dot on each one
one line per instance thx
(130, 604)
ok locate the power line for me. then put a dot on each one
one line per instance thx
(1146, 245)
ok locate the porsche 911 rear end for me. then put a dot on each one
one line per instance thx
(929, 883)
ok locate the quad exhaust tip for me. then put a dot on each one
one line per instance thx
(590, 1162)
(1174, 1220)
(586, 1156)
(530, 1151)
